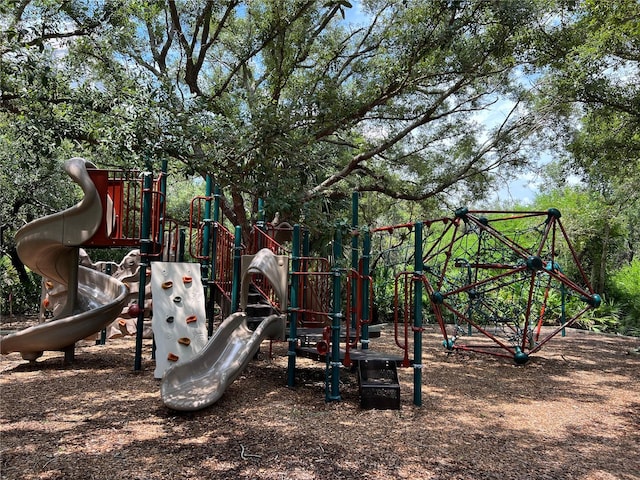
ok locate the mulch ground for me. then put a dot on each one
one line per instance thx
(573, 412)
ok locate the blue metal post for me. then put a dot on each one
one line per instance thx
(417, 319)
(294, 304)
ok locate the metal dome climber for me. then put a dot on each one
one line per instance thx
(496, 284)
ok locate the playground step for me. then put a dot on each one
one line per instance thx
(379, 385)
(254, 295)
(253, 322)
(259, 310)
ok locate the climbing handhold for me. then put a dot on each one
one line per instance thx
(134, 310)
(172, 357)
(169, 319)
(187, 279)
(184, 341)
(192, 318)
(167, 285)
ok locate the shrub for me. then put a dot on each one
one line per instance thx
(624, 286)
(16, 297)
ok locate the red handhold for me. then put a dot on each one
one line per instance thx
(134, 310)
(322, 347)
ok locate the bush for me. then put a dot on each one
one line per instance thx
(16, 297)
(624, 287)
(606, 318)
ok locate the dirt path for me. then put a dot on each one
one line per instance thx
(573, 412)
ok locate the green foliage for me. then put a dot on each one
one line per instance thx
(606, 318)
(32, 184)
(180, 192)
(285, 101)
(625, 289)
(597, 229)
(16, 297)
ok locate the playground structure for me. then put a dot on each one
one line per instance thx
(119, 209)
(493, 282)
(54, 295)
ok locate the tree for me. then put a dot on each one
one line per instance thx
(293, 101)
(591, 61)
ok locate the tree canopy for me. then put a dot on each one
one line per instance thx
(300, 102)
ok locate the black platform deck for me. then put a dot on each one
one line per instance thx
(355, 355)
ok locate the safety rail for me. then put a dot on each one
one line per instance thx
(314, 284)
(266, 291)
(225, 242)
(197, 223)
(316, 291)
(265, 237)
(121, 194)
(403, 311)
(171, 241)
(355, 278)
(158, 217)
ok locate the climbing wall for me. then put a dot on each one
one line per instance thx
(179, 319)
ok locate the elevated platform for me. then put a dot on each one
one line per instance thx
(309, 337)
(356, 355)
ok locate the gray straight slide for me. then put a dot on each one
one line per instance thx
(49, 247)
(203, 379)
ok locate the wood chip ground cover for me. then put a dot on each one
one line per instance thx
(573, 412)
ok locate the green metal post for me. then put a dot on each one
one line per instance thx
(163, 201)
(417, 319)
(334, 395)
(260, 224)
(354, 259)
(206, 233)
(214, 254)
(145, 245)
(366, 257)
(294, 304)
(237, 258)
(204, 266)
(306, 253)
(182, 235)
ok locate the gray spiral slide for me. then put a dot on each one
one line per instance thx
(202, 380)
(49, 247)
